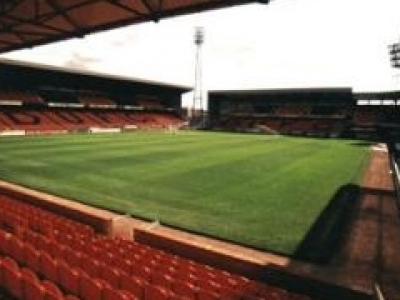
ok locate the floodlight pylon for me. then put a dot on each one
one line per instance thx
(198, 105)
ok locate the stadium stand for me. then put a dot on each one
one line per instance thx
(53, 101)
(46, 256)
(307, 112)
(45, 119)
(311, 112)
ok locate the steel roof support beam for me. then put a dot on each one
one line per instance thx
(62, 12)
(154, 13)
(9, 5)
(127, 8)
(36, 23)
(7, 43)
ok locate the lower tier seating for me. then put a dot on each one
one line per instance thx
(32, 120)
(69, 261)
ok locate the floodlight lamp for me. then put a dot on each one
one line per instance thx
(199, 36)
(394, 53)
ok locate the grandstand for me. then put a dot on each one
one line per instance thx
(310, 112)
(36, 99)
(377, 115)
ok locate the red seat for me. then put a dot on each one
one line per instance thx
(111, 275)
(186, 266)
(179, 297)
(68, 278)
(123, 264)
(132, 284)
(187, 276)
(48, 267)
(12, 278)
(31, 237)
(71, 297)
(160, 279)
(52, 247)
(57, 251)
(43, 226)
(107, 257)
(184, 289)
(93, 251)
(51, 291)
(112, 294)
(142, 272)
(209, 285)
(15, 249)
(81, 244)
(43, 243)
(207, 295)
(31, 257)
(10, 220)
(91, 289)
(91, 266)
(32, 288)
(164, 267)
(153, 292)
(20, 230)
(72, 257)
(34, 223)
(4, 242)
(28, 273)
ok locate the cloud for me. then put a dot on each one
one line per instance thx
(80, 62)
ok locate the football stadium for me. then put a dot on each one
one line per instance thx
(111, 189)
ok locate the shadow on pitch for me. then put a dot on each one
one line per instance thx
(327, 232)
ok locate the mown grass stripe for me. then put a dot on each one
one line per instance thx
(254, 189)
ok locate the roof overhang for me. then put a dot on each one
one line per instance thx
(284, 91)
(28, 23)
(12, 69)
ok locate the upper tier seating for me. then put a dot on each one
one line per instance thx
(96, 100)
(150, 104)
(23, 97)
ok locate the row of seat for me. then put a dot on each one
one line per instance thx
(25, 284)
(287, 126)
(22, 283)
(26, 97)
(118, 259)
(76, 280)
(120, 264)
(80, 119)
(18, 216)
(96, 100)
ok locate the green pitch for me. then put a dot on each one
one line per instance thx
(258, 190)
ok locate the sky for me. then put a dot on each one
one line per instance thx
(285, 44)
